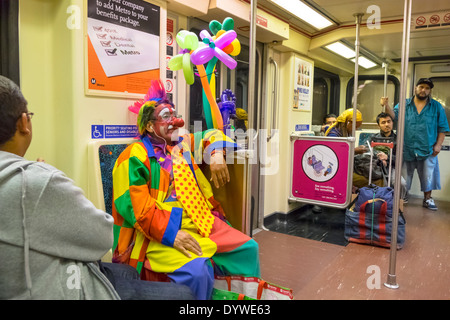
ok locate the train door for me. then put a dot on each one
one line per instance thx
(248, 121)
(271, 130)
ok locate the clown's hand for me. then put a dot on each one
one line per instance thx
(219, 170)
(185, 243)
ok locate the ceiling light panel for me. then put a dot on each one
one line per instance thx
(341, 49)
(365, 63)
(304, 12)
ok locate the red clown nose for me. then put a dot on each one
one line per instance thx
(178, 122)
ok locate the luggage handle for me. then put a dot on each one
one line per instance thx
(387, 144)
(261, 286)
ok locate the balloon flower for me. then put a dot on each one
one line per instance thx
(214, 48)
(208, 51)
(187, 41)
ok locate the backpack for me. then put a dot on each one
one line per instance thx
(362, 166)
(369, 221)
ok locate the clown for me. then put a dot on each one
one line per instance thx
(167, 223)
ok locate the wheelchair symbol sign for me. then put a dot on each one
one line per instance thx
(97, 132)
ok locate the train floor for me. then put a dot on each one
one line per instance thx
(307, 252)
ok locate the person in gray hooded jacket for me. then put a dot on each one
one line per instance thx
(51, 236)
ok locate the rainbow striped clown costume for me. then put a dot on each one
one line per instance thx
(148, 213)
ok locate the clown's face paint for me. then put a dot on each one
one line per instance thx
(166, 123)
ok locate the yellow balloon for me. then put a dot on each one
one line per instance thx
(219, 33)
(236, 47)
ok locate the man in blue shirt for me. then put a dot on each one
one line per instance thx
(425, 128)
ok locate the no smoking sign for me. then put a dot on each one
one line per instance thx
(420, 21)
(435, 20)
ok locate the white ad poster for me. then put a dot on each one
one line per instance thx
(303, 82)
(123, 50)
(123, 45)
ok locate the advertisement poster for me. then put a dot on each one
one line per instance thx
(320, 171)
(302, 85)
(123, 45)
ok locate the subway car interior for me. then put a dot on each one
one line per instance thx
(299, 61)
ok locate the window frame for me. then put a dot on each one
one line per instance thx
(350, 85)
(9, 40)
(334, 89)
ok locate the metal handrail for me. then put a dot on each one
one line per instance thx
(274, 100)
(385, 66)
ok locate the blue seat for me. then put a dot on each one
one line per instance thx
(108, 155)
(102, 155)
(364, 137)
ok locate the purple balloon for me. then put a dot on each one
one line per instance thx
(204, 54)
(225, 39)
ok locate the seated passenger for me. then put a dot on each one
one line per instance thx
(168, 224)
(343, 128)
(328, 121)
(241, 121)
(344, 125)
(386, 134)
(51, 236)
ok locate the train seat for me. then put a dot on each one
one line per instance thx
(102, 155)
(365, 136)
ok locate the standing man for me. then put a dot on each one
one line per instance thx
(426, 125)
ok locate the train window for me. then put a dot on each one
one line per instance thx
(242, 70)
(196, 96)
(325, 95)
(9, 44)
(236, 80)
(440, 93)
(370, 90)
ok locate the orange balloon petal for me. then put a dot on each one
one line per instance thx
(228, 49)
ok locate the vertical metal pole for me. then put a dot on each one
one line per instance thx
(252, 57)
(251, 111)
(355, 83)
(385, 66)
(392, 277)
